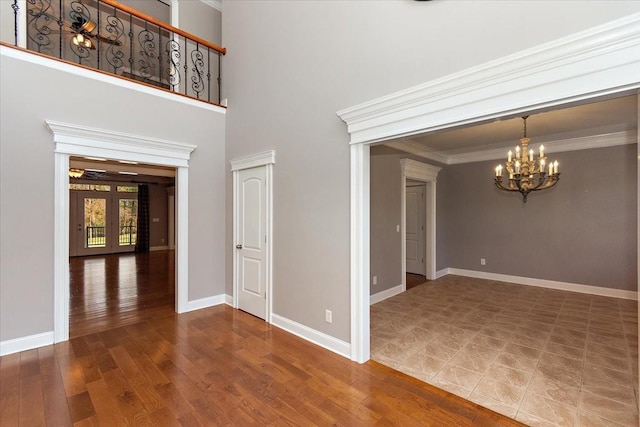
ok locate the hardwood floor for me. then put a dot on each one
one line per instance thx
(216, 366)
(108, 291)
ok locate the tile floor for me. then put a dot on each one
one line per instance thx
(541, 356)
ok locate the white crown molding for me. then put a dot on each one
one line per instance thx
(254, 160)
(559, 146)
(93, 75)
(216, 4)
(84, 140)
(603, 58)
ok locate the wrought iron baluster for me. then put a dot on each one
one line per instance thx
(131, 45)
(209, 74)
(173, 58)
(219, 79)
(186, 68)
(79, 14)
(60, 24)
(160, 55)
(15, 8)
(114, 53)
(147, 53)
(197, 83)
(98, 36)
(40, 17)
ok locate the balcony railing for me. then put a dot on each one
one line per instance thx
(116, 39)
(97, 236)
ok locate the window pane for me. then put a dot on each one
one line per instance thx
(127, 189)
(127, 220)
(94, 223)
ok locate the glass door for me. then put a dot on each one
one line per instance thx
(103, 220)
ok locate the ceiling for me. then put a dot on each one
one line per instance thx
(605, 117)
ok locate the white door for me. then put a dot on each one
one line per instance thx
(251, 235)
(415, 238)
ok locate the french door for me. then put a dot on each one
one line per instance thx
(102, 222)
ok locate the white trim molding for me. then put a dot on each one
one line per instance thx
(549, 284)
(26, 343)
(216, 4)
(387, 293)
(428, 174)
(558, 146)
(106, 78)
(74, 140)
(205, 302)
(319, 338)
(600, 61)
(253, 160)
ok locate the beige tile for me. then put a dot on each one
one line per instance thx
(507, 394)
(560, 375)
(522, 351)
(563, 350)
(424, 363)
(587, 418)
(470, 362)
(414, 339)
(494, 405)
(516, 362)
(459, 376)
(572, 365)
(606, 350)
(532, 421)
(598, 374)
(391, 351)
(480, 351)
(554, 390)
(617, 364)
(450, 387)
(514, 377)
(499, 334)
(528, 342)
(608, 409)
(490, 342)
(548, 410)
(439, 351)
(612, 391)
(567, 340)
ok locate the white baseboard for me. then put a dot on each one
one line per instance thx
(323, 340)
(206, 302)
(228, 299)
(387, 293)
(158, 248)
(542, 283)
(442, 273)
(25, 343)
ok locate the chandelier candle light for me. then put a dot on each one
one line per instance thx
(527, 174)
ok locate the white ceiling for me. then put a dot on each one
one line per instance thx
(612, 116)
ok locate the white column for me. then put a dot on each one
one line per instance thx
(61, 249)
(182, 241)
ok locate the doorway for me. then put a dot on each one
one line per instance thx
(71, 140)
(415, 237)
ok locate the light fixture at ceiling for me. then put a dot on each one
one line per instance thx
(527, 174)
(76, 173)
(82, 41)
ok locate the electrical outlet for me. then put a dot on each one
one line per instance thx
(483, 261)
(375, 280)
(328, 316)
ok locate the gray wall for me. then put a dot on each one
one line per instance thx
(32, 94)
(200, 20)
(158, 208)
(291, 65)
(581, 231)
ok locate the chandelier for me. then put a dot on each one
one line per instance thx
(527, 174)
(76, 173)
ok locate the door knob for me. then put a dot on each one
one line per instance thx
(238, 246)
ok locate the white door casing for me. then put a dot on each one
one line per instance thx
(599, 61)
(414, 233)
(250, 220)
(252, 231)
(75, 140)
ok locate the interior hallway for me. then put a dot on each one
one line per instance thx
(109, 291)
(541, 356)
